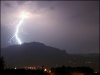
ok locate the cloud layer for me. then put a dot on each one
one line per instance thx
(69, 25)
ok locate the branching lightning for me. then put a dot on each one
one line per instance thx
(16, 33)
(17, 29)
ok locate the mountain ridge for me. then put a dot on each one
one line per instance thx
(35, 53)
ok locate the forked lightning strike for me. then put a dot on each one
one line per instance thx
(16, 33)
(17, 29)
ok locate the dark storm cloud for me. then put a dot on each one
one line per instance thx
(4, 37)
(35, 11)
(52, 8)
(69, 25)
(7, 4)
(82, 46)
(21, 2)
(74, 16)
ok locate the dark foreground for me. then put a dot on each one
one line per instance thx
(53, 71)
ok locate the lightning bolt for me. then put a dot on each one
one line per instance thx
(17, 29)
(16, 33)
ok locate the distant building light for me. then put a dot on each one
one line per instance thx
(34, 68)
(76, 73)
(70, 61)
(56, 65)
(15, 68)
(89, 62)
(96, 72)
(49, 71)
(74, 63)
(45, 70)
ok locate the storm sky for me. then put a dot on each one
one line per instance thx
(69, 25)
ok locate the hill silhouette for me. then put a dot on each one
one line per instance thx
(38, 54)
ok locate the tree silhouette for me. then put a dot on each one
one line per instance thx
(2, 63)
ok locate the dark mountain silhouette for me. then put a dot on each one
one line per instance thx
(38, 54)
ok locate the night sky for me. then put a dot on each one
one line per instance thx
(69, 25)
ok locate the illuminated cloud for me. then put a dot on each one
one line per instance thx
(69, 25)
